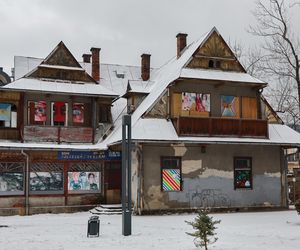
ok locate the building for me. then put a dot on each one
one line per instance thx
(4, 78)
(203, 134)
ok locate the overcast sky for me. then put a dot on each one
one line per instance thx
(123, 29)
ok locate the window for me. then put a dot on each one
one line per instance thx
(104, 112)
(59, 114)
(171, 174)
(242, 173)
(46, 178)
(195, 104)
(11, 178)
(37, 112)
(211, 64)
(214, 64)
(8, 115)
(84, 178)
(78, 113)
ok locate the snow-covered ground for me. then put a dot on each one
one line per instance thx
(261, 230)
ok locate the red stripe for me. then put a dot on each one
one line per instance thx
(171, 180)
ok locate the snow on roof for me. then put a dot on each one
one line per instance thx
(161, 130)
(219, 75)
(140, 86)
(60, 67)
(49, 86)
(25, 145)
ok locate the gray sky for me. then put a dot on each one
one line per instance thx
(123, 29)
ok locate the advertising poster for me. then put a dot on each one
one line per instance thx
(83, 181)
(195, 102)
(78, 112)
(11, 182)
(5, 111)
(40, 111)
(46, 181)
(229, 106)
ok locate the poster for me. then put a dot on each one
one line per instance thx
(171, 179)
(242, 178)
(229, 106)
(40, 111)
(5, 111)
(195, 102)
(78, 113)
(46, 181)
(83, 181)
(11, 182)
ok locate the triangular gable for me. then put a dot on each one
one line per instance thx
(271, 114)
(214, 48)
(61, 56)
(60, 64)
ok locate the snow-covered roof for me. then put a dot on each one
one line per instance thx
(52, 86)
(140, 86)
(60, 67)
(52, 146)
(217, 75)
(162, 130)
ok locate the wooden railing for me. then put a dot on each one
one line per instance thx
(9, 134)
(36, 133)
(213, 126)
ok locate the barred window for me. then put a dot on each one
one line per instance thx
(171, 179)
(243, 173)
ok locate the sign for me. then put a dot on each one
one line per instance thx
(89, 155)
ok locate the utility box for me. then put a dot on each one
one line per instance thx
(93, 227)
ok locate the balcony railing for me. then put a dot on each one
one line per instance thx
(212, 126)
(38, 133)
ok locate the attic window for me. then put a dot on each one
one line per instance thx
(214, 64)
(120, 74)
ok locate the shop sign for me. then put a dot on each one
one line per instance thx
(89, 155)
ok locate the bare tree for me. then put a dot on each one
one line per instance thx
(278, 59)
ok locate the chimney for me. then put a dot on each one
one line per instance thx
(181, 43)
(86, 58)
(145, 67)
(96, 63)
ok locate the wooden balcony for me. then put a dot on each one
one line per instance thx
(213, 126)
(36, 133)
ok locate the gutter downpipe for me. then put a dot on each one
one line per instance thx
(26, 183)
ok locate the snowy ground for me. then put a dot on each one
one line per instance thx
(263, 230)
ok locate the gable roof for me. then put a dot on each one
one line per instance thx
(164, 76)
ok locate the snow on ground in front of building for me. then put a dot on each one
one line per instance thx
(261, 230)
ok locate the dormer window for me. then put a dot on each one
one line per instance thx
(211, 64)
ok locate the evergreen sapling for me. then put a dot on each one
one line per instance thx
(205, 229)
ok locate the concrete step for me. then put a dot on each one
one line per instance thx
(107, 209)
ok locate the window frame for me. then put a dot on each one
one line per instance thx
(242, 168)
(29, 113)
(11, 121)
(52, 114)
(162, 158)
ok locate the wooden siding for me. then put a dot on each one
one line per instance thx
(58, 134)
(249, 108)
(210, 126)
(9, 134)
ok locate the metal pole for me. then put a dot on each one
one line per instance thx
(126, 175)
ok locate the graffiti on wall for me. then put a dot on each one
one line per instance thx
(209, 198)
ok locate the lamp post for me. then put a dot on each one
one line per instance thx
(126, 175)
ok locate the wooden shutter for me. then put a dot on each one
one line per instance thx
(249, 108)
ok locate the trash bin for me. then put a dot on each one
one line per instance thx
(93, 226)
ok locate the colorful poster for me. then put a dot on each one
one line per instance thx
(171, 179)
(46, 181)
(11, 182)
(195, 102)
(83, 181)
(78, 113)
(243, 178)
(5, 111)
(229, 106)
(40, 111)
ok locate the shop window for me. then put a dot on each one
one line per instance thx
(230, 106)
(11, 178)
(104, 114)
(84, 178)
(59, 114)
(243, 173)
(8, 115)
(46, 178)
(78, 113)
(171, 179)
(37, 112)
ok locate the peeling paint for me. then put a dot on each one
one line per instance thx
(217, 173)
(276, 175)
(190, 166)
(179, 150)
(157, 198)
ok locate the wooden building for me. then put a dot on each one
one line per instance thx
(203, 135)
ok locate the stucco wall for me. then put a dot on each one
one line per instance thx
(208, 178)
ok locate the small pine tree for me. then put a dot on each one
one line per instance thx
(205, 229)
(297, 206)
